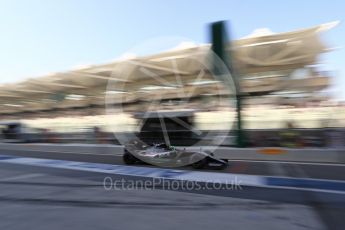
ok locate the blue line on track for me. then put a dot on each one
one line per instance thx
(247, 180)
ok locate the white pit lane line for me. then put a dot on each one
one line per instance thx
(67, 152)
(319, 185)
(288, 162)
(22, 177)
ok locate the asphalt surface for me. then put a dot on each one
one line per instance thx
(291, 169)
(48, 198)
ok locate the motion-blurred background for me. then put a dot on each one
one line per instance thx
(287, 62)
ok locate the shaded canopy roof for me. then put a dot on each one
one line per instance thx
(275, 52)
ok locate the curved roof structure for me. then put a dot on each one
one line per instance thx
(86, 86)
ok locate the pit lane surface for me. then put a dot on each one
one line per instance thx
(319, 210)
(291, 169)
(48, 198)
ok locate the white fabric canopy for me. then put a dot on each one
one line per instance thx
(253, 54)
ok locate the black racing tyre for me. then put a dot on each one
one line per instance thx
(128, 158)
(200, 164)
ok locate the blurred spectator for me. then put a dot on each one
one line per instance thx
(99, 136)
(48, 137)
(289, 137)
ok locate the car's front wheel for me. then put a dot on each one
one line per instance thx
(128, 158)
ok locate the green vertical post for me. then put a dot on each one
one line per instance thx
(220, 43)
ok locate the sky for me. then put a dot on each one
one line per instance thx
(38, 37)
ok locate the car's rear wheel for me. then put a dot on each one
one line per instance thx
(128, 158)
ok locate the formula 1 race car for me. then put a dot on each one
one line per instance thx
(169, 156)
